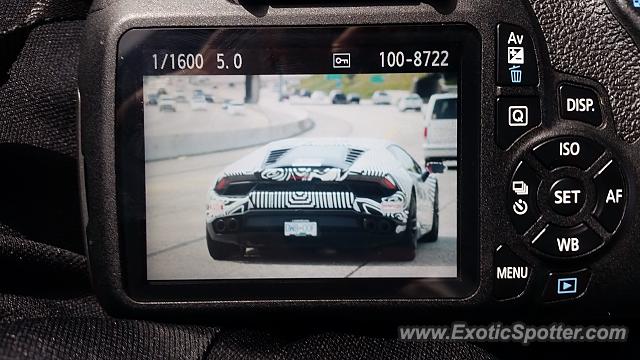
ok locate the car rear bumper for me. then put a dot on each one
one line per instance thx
(335, 229)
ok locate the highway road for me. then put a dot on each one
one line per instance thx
(176, 192)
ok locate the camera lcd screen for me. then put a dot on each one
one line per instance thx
(301, 153)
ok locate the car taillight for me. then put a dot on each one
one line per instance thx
(425, 132)
(221, 184)
(387, 183)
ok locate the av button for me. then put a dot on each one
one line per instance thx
(566, 242)
(566, 285)
(516, 57)
(567, 196)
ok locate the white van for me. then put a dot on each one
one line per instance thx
(441, 127)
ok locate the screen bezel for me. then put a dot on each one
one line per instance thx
(130, 185)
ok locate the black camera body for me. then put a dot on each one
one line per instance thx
(546, 156)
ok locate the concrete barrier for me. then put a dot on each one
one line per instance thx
(162, 147)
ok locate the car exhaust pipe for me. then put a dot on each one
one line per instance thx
(219, 225)
(233, 224)
(369, 224)
(384, 226)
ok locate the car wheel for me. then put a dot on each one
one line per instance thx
(432, 235)
(223, 251)
(407, 250)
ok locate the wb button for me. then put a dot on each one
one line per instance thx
(563, 242)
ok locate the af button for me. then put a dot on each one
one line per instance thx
(611, 196)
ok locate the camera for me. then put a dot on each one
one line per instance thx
(420, 156)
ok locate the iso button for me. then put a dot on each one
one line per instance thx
(611, 196)
(521, 198)
(573, 151)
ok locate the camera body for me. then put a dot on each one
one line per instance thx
(546, 149)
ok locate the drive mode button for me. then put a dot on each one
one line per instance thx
(566, 196)
(511, 274)
(521, 197)
(566, 242)
(581, 104)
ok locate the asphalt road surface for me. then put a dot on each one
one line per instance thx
(176, 195)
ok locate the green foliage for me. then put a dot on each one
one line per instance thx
(361, 83)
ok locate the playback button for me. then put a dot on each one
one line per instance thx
(566, 285)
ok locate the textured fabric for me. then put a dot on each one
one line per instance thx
(585, 39)
(46, 307)
(39, 98)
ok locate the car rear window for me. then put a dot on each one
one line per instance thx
(445, 109)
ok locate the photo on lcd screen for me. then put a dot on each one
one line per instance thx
(301, 176)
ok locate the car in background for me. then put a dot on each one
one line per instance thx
(324, 192)
(339, 98)
(162, 91)
(381, 98)
(209, 98)
(441, 127)
(233, 107)
(198, 103)
(318, 97)
(166, 104)
(412, 101)
(304, 93)
(353, 98)
(152, 100)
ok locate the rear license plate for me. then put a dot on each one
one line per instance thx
(300, 228)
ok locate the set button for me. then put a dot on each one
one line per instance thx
(576, 207)
(567, 196)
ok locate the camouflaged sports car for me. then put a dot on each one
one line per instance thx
(325, 192)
